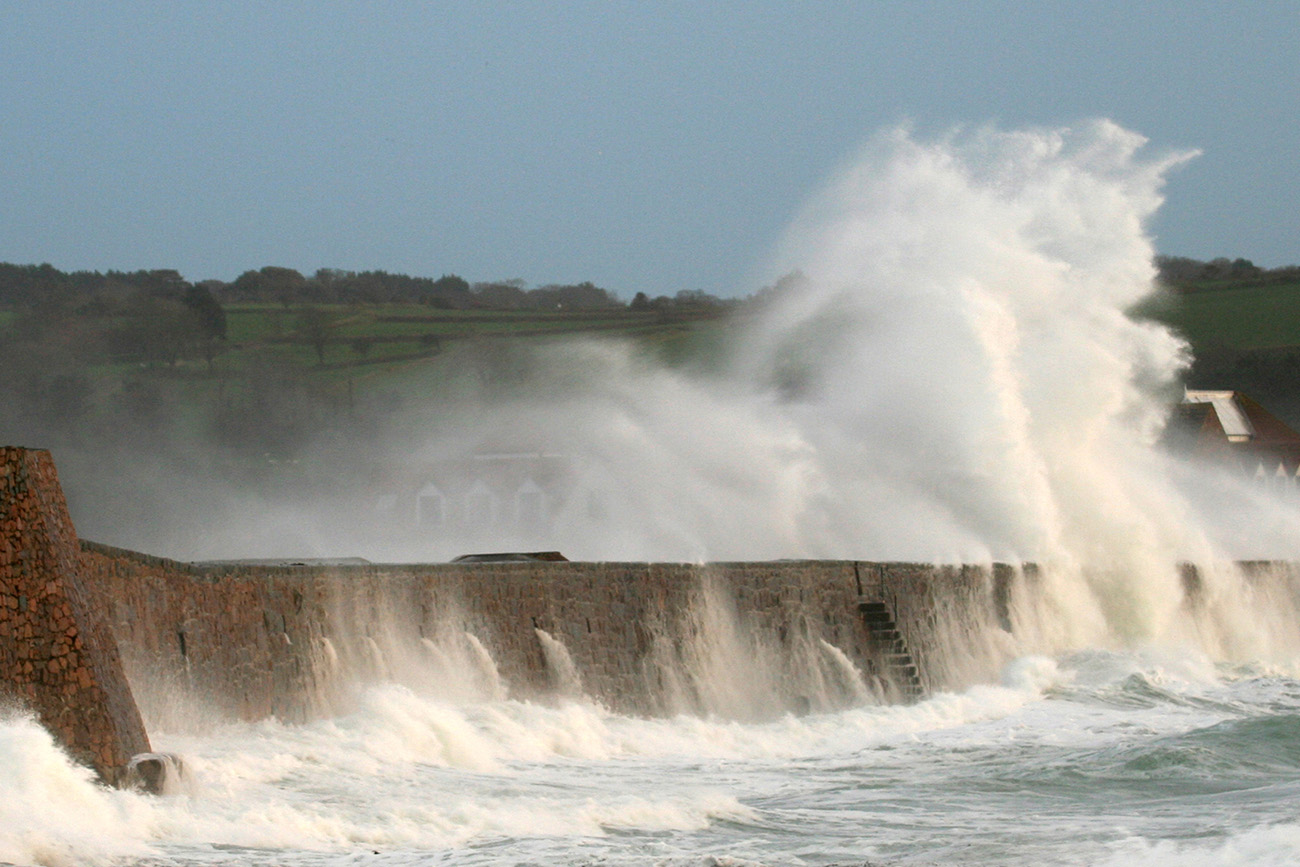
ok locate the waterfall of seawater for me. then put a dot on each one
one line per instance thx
(564, 677)
(845, 676)
(450, 662)
(713, 661)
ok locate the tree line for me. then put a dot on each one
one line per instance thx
(158, 317)
(92, 292)
(1188, 275)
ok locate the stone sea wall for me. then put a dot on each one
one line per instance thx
(92, 635)
(58, 658)
(87, 631)
(288, 641)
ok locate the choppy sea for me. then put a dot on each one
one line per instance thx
(1106, 758)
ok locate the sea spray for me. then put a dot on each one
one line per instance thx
(845, 675)
(1244, 612)
(714, 661)
(52, 812)
(968, 300)
(564, 677)
(952, 377)
(958, 353)
(456, 666)
(485, 668)
(731, 671)
(376, 668)
(436, 653)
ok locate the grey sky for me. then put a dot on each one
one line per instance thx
(649, 146)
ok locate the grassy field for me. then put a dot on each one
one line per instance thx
(382, 345)
(284, 373)
(1230, 315)
(391, 324)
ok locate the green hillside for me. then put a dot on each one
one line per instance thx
(264, 364)
(1235, 316)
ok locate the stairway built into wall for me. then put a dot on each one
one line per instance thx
(899, 666)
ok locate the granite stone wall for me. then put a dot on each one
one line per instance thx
(58, 658)
(88, 630)
(255, 641)
(291, 641)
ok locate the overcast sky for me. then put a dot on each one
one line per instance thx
(642, 146)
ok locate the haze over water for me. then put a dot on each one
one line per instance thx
(953, 378)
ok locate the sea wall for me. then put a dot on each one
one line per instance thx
(741, 639)
(58, 658)
(91, 636)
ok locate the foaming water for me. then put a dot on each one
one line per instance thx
(564, 676)
(51, 811)
(1097, 757)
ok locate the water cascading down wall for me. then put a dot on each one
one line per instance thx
(87, 631)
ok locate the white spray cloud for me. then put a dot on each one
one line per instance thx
(955, 378)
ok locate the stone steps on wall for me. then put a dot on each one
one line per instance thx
(890, 647)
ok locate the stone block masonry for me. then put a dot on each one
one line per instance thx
(255, 641)
(88, 630)
(249, 641)
(58, 658)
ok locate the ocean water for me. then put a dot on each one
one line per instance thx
(1096, 757)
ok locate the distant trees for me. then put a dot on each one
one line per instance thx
(155, 330)
(1181, 272)
(315, 325)
(157, 318)
(449, 286)
(512, 295)
(273, 284)
(501, 294)
(207, 311)
(580, 296)
(107, 294)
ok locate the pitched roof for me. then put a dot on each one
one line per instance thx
(1229, 423)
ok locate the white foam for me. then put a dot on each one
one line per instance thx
(413, 774)
(52, 812)
(1264, 846)
(565, 679)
